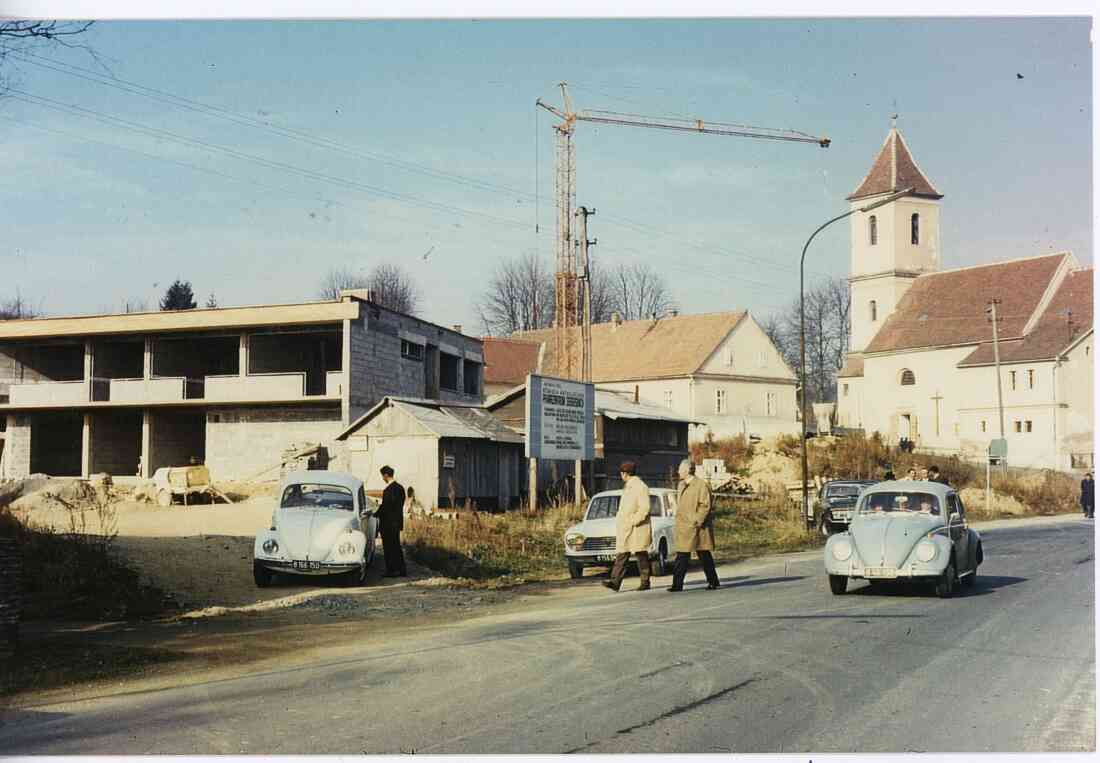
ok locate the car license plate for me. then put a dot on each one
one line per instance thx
(605, 558)
(880, 572)
(302, 565)
(841, 514)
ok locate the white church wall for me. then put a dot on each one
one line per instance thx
(1075, 378)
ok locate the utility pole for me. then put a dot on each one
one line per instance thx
(585, 283)
(997, 364)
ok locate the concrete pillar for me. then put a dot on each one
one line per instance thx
(345, 366)
(145, 472)
(89, 367)
(148, 367)
(86, 447)
(242, 356)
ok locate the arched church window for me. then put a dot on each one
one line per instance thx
(873, 230)
(914, 223)
(908, 378)
(874, 310)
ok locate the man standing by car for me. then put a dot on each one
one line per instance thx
(694, 528)
(391, 522)
(633, 532)
(1088, 495)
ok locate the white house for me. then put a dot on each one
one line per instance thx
(921, 365)
(719, 369)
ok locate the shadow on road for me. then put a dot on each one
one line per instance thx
(984, 585)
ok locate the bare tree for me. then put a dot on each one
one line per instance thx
(17, 307)
(602, 293)
(390, 286)
(639, 291)
(518, 297)
(135, 305)
(339, 278)
(19, 36)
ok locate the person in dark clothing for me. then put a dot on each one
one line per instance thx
(1088, 495)
(391, 521)
(934, 475)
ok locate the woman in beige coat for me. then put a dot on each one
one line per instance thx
(694, 529)
(633, 531)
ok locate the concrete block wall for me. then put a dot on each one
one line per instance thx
(175, 438)
(116, 442)
(17, 448)
(240, 442)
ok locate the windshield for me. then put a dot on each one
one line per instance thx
(306, 495)
(843, 491)
(901, 501)
(607, 507)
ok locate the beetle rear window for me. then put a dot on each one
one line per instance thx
(900, 501)
(307, 495)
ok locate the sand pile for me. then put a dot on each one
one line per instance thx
(974, 500)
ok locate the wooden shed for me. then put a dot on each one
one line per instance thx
(450, 453)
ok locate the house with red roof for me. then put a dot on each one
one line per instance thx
(923, 366)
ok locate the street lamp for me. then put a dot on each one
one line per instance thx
(802, 331)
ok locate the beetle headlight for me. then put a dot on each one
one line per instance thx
(842, 550)
(271, 546)
(346, 549)
(926, 551)
(575, 541)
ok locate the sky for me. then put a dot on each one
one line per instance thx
(250, 157)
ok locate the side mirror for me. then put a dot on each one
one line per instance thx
(955, 517)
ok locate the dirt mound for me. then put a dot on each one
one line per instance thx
(769, 467)
(974, 500)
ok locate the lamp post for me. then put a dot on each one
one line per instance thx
(802, 331)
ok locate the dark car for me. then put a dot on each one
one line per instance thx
(836, 503)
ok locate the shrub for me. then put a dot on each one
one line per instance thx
(736, 452)
(790, 445)
(1045, 492)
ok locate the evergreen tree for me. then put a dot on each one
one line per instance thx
(179, 297)
(211, 301)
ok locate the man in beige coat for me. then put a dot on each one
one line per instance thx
(633, 532)
(694, 529)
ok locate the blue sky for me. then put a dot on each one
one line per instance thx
(432, 134)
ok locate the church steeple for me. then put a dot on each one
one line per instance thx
(893, 170)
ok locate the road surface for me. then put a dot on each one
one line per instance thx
(770, 663)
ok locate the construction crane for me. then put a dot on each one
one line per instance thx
(571, 297)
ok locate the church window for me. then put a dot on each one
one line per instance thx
(1012, 379)
(873, 230)
(874, 310)
(845, 390)
(1031, 378)
(668, 398)
(914, 223)
(719, 401)
(1017, 425)
(983, 425)
(908, 378)
(1027, 426)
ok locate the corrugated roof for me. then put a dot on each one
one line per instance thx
(461, 420)
(647, 349)
(948, 308)
(508, 361)
(615, 406)
(893, 170)
(1066, 318)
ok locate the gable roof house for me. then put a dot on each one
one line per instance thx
(922, 366)
(717, 369)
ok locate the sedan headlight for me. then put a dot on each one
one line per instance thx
(842, 550)
(926, 551)
(346, 549)
(271, 546)
(575, 541)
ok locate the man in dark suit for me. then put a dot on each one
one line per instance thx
(391, 521)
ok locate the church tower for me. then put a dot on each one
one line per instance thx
(893, 244)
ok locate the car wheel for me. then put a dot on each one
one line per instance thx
(576, 570)
(945, 586)
(262, 575)
(356, 577)
(838, 584)
(662, 560)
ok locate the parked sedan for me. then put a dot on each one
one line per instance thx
(323, 526)
(836, 504)
(591, 542)
(906, 529)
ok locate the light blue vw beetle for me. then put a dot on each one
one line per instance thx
(906, 529)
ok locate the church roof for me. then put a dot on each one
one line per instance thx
(1066, 319)
(948, 307)
(649, 348)
(894, 170)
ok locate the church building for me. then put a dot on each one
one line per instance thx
(922, 365)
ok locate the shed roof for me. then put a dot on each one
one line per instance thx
(607, 403)
(457, 420)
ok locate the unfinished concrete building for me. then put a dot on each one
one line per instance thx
(228, 387)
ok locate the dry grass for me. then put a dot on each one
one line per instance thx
(736, 452)
(751, 528)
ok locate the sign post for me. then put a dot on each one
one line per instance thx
(558, 422)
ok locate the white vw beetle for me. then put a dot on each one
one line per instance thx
(323, 525)
(906, 529)
(591, 542)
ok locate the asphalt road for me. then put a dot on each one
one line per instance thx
(770, 663)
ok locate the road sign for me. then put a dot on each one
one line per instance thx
(559, 419)
(998, 448)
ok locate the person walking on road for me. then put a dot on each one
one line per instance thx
(391, 521)
(1088, 495)
(633, 532)
(694, 528)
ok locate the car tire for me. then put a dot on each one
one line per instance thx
(576, 570)
(945, 586)
(356, 577)
(838, 584)
(662, 560)
(262, 575)
(164, 498)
